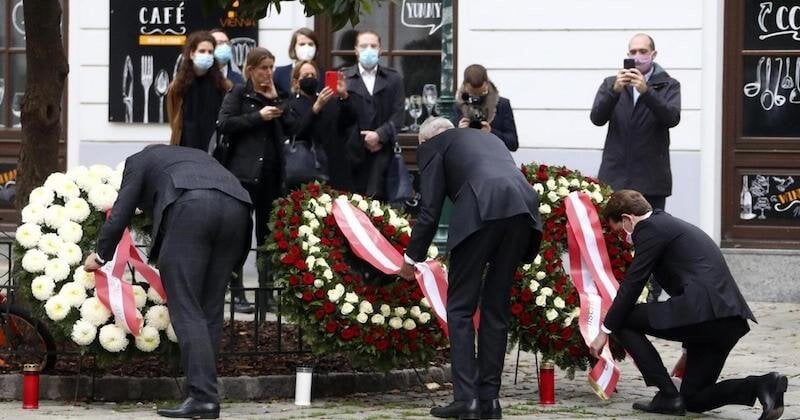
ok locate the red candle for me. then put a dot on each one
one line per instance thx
(547, 383)
(30, 386)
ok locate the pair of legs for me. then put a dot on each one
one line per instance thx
(707, 346)
(205, 237)
(500, 244)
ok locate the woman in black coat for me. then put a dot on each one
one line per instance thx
(326, 119)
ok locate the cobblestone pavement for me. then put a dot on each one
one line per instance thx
(774, 344)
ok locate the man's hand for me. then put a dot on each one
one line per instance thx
(637, 80)
(406, 271)
(463, 123)
(371, 140)
(598, 344)
(623, 79)
(91, 263)
(485, 127)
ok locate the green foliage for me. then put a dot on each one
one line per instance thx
(340, 12)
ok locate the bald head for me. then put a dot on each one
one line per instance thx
(642, 39)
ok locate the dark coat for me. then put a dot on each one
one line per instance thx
(282, 79)
(476, 171)
(256, 145)
(153, 179)
(234, 76)
(636, 151)
(688, 265)
(329, 131)
(499, 115)
(383, 112)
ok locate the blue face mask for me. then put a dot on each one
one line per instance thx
(223, 53)
(203, 62)
(368, 57)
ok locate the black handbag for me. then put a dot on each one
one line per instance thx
(301, 164)
(220, 147)
(399, 182)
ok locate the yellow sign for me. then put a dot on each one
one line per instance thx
(162, 39)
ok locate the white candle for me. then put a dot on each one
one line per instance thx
(302, 386)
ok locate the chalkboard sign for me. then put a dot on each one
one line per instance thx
(146, 40)
(769, 197)
(772, 25)
(771, 96)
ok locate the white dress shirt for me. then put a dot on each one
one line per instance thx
(368, 76)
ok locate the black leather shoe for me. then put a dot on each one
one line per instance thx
(463, 410)
(191, 408)
(490, 409)
(242, 306)
(770, 394)
(663, 404)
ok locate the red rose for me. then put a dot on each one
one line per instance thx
(404, 239)
(382, 345)
(553, 328)
(526, 319)
(330, 327)
(281, 212)
(340, 267)
(389, 230)
(412, 334)
(308, 279)
(526, 295)
(517, 309)
(279, 224)
(288, 259)
(413, 347)
(294, 281)
(294, 233)
(328, 307)
(300, 265)
(549, 254)
(378, 220)
(330, 220)
(294, 220)
(283, 245)
(566, 333)
(308, 296)
(319, 314)
(319, 294)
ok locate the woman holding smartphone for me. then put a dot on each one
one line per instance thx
(323, 119)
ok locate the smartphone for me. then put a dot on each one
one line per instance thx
(332, 80)
(628, 63)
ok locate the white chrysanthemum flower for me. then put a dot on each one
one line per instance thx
(314, 224)
(377, 319)
(362, 318)
(55, 216)
(57, 269)
(396, 322)
(70, 232)
(534, 286)
(538, 188)
(77, 209)
(409, 324)
(415, 311)
(424, 318)
(308, 215)
(386, 310)
(148, 340)
(66, 189)
(567, 321)
(336, 293)
(347, 308)
(433, 251)
(115, 180)
(324, 199)
(562, 181)
(102, 196)
(537, 260)
(597, 197)
(113, 338)
(313, 240)
(42, 196)
(57, 307)
(70, 253)
(83, 332)
(120, 167)
(544, 209)
(540, 275)
(34, 261)
(85, 278)
(552, 196)
(574, 183)
(74, 293)
(551, 314)
(139, 296)
(558, 302)
(101, 171)
(424, 302)
(304, 230)
(541, 300)
(42, 287)
(154, 297)
(327, 274)
(50, 243)
(363, 206)
(351, 297)
(320, 212)
(171, 334)
(157, 317)
(400, 311)
(318, 283)
(310, 261)
(28, 235)
(54, 179)
(551, 184)
(365, 307)
(94, 311)
(376, 212)
(322, 263)
(563, 191)
(33, 213)
(546, 291)
(355, 198)
(313, 250)
(76, 172)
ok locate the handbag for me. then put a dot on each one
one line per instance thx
(301, 164)
(399, 182)
(220, 147)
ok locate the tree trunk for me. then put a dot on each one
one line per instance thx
(46, 73)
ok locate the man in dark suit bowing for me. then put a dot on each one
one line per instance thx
(706, 312)
(201, 233)
(495, 223)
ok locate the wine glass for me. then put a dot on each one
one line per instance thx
(2, 89)
(16, 107)
(430, 96)
(415, 110)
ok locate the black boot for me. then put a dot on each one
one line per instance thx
(770, 394)
(490, 409)
(663, 404)
(191, 408)
(463, 410)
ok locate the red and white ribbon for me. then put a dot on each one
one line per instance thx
(117, 294)
(590, 270)
(369, 244)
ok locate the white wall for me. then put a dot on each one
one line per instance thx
(549, 58)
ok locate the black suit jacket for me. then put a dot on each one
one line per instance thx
(688, 265)
(153, 179)
(476, 171)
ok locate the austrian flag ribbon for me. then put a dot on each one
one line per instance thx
(590, 270)
(117, 294)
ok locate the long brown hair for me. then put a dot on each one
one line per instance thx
(186, 74)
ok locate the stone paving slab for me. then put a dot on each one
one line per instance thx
(773, 344)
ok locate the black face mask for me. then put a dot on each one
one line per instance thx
(309, 85)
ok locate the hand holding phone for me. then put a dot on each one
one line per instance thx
(628, 63)
(332, 80)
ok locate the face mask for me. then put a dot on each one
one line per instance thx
(643, 62)
(305, 52)
(309, 85)
(223, 53)
(368, 57)
(203, 62)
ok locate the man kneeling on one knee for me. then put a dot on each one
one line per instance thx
(706, 313)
